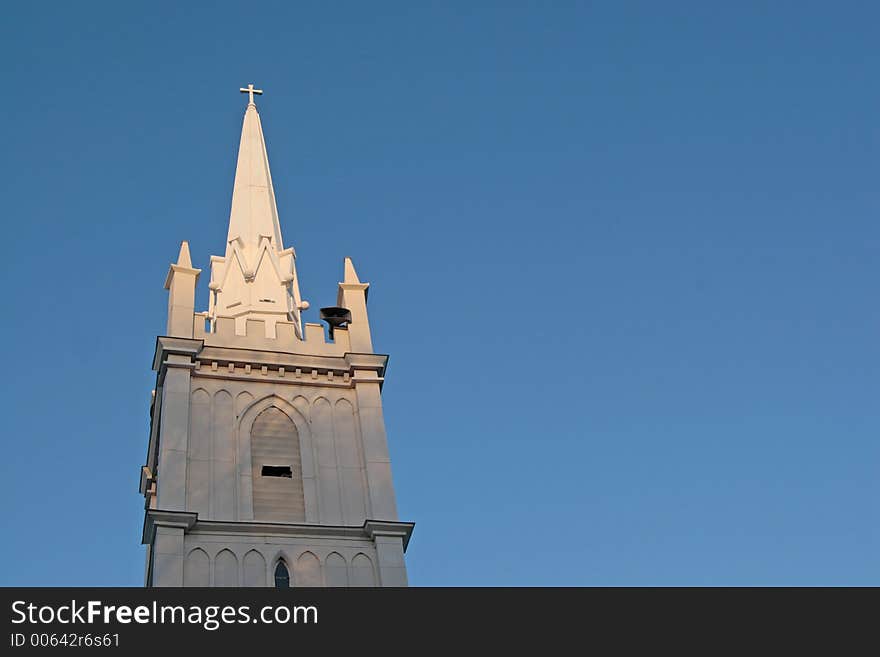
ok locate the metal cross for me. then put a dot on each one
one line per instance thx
(250, 91)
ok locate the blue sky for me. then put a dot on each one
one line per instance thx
(623, 256)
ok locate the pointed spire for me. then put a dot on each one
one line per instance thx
(350, 274)
(352, 294)
(256, 278)
(181, 285)
(182, 266)
(254, 213)
(183, 259)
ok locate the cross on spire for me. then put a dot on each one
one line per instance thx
(250, 91)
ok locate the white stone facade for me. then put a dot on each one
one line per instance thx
(267, 440)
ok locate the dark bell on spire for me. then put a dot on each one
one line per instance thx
(335, 317)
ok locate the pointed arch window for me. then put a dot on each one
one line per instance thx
(277, 468)
(282, 576)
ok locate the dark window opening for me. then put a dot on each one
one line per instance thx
(277, 471)
(282, 577)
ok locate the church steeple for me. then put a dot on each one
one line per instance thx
(256, 278)
(267, 460)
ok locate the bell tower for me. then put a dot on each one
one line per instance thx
(267, 462)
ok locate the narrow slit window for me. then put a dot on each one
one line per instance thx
(277, 471)
(282, 577)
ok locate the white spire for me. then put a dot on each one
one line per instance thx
(254, 212)
(256, 278)
(349, 274)
(181, 285)
(183, 258)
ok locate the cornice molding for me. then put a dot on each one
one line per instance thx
(350, 362)
(157, 518)
(191, 524)
(167, 345)
(390, 528)
(180, 269)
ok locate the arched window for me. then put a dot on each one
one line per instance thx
(277, 468)
(282, 577)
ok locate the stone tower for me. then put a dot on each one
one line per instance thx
(267, 462)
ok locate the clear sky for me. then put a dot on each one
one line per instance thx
(623, 256)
